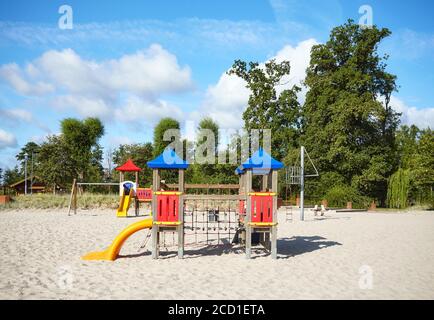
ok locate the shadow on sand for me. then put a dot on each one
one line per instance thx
(286, 248)
(294, 246)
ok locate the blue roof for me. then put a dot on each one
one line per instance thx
(260, 162)
(168, 160)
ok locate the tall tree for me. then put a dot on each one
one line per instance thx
(266, 109)
(82, 138)
(29, 148)
(205, 172)
(348, 123)
(159, 130)
(57, 164)
(407, 145)
(12, 175)
(424, 167)
(209, 124)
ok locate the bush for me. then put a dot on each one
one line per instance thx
(338, 196)
(316, 188)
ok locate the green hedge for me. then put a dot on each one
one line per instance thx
(338, 196)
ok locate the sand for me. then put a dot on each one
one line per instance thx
(339, 256)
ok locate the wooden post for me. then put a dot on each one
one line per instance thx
(273, 230)
(136, 202)
(265, 182)
(181, 214)
(248, 184)
(72, 199)
(155, 233)
(75, 198)
(274, 242)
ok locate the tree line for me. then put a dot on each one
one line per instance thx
(346, 123)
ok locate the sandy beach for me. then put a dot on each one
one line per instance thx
(338, 256)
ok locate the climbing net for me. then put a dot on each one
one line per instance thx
(211, 221)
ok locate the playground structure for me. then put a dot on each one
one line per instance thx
(238, 218)
(128, 190)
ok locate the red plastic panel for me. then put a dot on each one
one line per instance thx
(256, 209)
(262, 208)
(167, 208)
(267, 207)
(172, 213)
(144, 194)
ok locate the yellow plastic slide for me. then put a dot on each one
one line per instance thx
(124, 205)
(113, 250)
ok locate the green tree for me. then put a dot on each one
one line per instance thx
(407, 145)
(268, 110)
(416, 159)
(423, 170)
(29, 148)
(398, 189)
(347, 121)
(159, 145)
(12, 175)
(159, 130)
(205, 171)
(57, 164)
(140, 154)
(82, 138)
(209, 124)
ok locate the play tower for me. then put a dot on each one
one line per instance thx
(167, 206)
(260, 206)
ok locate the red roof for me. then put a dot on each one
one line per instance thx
(128, 166)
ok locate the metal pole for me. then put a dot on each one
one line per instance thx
(302, 183)
(25, 174)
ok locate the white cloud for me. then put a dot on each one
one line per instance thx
(15, 116)
(149, 111)
(226, 100)
(189, 32)
(118, 140)
(87, 107)
(148, 72)
(39, 139)
(94, 88)
(422, 118)
(299, 58)
(7, 140)
(16, 77)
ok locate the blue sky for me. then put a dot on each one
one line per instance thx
(133, 62)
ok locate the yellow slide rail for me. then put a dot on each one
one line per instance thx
(113, 250)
